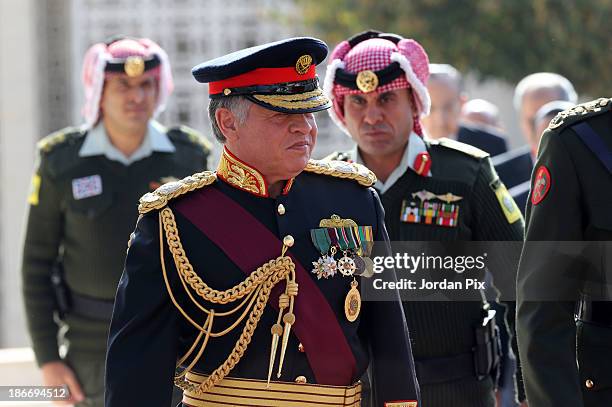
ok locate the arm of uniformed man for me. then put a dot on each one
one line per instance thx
(143, 338)
(384, 326)
(498, 219)
(546, 329)
(40, 252)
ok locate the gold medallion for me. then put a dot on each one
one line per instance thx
(134, 66)
(352, 303)
(303, 64)
(367, 81)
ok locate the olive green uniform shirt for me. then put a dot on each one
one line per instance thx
(83, 205)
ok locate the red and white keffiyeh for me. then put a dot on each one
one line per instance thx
(93, 74)
(375, 54)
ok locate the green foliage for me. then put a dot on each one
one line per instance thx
(506, 39)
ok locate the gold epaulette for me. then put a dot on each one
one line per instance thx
(341, 169)
(162, 195)
(464, 148)
(48, 143)
(579, 112)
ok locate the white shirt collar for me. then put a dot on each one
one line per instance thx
(97, 142)
(415, 146)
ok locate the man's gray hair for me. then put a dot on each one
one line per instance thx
(446, 72)
(544, 80)
(238, 105)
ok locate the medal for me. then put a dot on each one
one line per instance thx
(352, 302)
(360, 265)
(318, 269)
(354, 241)
(325, 266)
(369, 267)
(346, 265)
(330, 267)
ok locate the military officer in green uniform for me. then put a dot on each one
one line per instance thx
(432, 190)
(564, 320)
(242, 285)
(81, 207)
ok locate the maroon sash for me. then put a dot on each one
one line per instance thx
(328, 352)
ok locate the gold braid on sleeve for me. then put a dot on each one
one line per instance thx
(250, 295)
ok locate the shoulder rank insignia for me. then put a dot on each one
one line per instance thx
(196, 137)
(54, 139)
(162, 195)
(339, 156)
(507, 204)
(580, 111)
(464, 148)
(341, 169)
(34, 190)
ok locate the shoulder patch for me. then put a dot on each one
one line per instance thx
(541, 185)
(339, 156)
(509, 207)
(341, 169)
(464, 148)
(57, 138)
(580, 112)
(191, 135)
(162, 195)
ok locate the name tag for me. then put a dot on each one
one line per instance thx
(86, 187)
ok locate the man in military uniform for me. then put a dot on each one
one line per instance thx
(531, 93)
(377, 86)
(211, 280)
(564, 297)
(81, 207)
(445, 87)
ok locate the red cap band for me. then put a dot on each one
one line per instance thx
(262, 76)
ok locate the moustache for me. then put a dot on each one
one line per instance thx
(368, 128)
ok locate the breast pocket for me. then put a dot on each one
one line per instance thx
(91, 208)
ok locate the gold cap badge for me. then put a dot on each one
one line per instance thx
(303, 64)
(134, 66)
(367, 81)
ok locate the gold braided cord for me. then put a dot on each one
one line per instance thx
(242, 316)
(195, 282)
(249, 298)
(193, 346)
(242, 342)
(341, 169)
(255, 291)
(284, 102)
(298, 96)
(208, 327)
